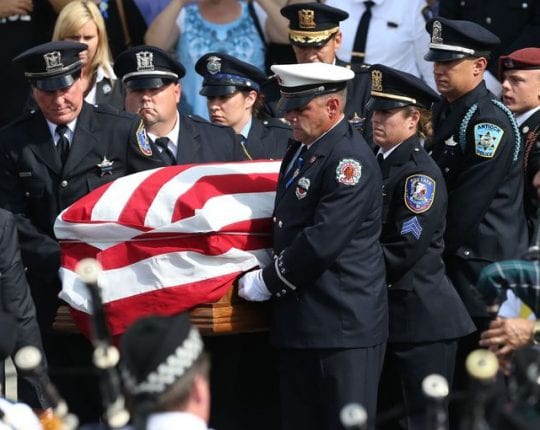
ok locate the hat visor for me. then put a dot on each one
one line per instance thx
(380, 103)
(147, 83)
(307, 44)
(56, 83)
(443, 55)
(287, 104)
(218, 90)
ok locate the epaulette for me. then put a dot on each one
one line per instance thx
(277, 122)
(360, 68)
(107, 109)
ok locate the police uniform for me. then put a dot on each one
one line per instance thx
(326, 283)
(529, 128)
(224, 75)
(36, 186)
(198, 141)
(313, 25)
(422, 340)
(477, 145)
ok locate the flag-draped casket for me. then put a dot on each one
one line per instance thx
(171, 239)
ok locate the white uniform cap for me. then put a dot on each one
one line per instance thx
(300, 83)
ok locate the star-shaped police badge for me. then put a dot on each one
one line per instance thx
(105, 167)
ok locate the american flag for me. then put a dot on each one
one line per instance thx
(168, 239)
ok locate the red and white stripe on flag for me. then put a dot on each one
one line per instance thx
(168, 239)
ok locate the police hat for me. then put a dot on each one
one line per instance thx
(312, 24)
(453, 39)
(224, 74)
(8, 328)
(147, 67)
(391, 88)
(157, 351)
(300, 83)
(53, 65)
(522, 59)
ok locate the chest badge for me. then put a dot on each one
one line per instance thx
(105, 167)
(302, 188)
(419, 193)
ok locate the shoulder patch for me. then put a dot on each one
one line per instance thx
(419, 193)
(142, 140)
(487, 137)
(348, 171)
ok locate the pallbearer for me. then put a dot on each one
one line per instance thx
(426, 314)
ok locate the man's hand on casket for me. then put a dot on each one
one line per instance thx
(251, 287)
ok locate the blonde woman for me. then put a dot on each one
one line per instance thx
(81, 21)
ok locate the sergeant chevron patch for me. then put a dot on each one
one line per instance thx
(412, 226)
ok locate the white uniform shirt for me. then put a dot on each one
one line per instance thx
(397, 36)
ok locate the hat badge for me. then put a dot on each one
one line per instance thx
(376, 80)
(213, 65)
(306, 18)
(53, 60)
(437, 32)
(508, 63)
(145, 61)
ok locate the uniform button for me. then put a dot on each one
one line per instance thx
(524, 5)
(27, 194)
(446, 170)
(462, 3)
(274, 219)
(283, 291)
(278, 295)
(280, 224)
(64, 184)
(467, 253)
(525, 129)
(488, 20)
(389, 285)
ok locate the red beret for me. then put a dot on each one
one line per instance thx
(522, 59)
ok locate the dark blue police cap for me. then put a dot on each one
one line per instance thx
(147, 67)
(454, 39)
(391, 88)
(53, 65)
(312, 24)
(224, 74)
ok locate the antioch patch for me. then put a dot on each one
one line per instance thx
(486, 139)
(348, 171)
(419, 193)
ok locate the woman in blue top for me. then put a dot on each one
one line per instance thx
(225, 26)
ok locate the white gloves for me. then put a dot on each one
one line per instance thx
(251, 287)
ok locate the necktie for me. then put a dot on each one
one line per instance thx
(295, 167)
(359, 48)
(380, 158)
(62, 145)
(166, 153)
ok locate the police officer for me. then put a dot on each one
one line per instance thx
(326, 283)
(167, 137)
(476, 144)
(234, 98)
(315, 37)
(423, 340)
(519, 73)
(49, 158)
